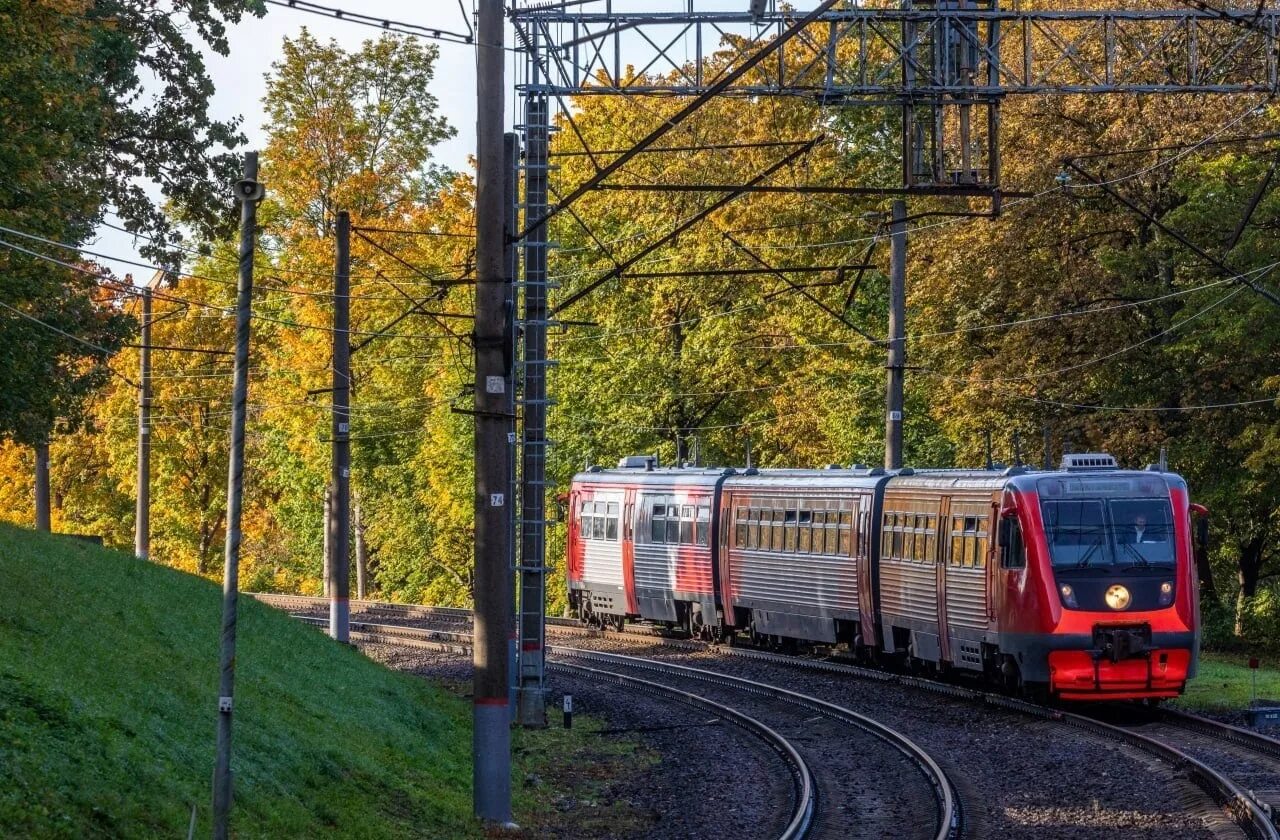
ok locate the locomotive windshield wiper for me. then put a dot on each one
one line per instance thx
(1142, 563)
(1084, 561)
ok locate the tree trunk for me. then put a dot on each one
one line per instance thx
(1249, 572)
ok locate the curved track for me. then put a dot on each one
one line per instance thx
(838, 743)
(1237, 769)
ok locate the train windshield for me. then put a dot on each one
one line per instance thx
(1130, 533)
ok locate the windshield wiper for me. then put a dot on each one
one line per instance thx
(1142, 563)
(1084, 561)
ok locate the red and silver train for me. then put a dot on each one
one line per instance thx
(1078, 582)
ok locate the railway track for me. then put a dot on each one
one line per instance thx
(1250, 759)
(1237, 769)
(807, 731)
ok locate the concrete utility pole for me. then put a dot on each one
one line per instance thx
(491, 744)
(362, 552)
(339, 554)
(249, 192)
(142, 516)
(42, 486)
(897, 334)
(326, 540)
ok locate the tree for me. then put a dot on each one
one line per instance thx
(78, 134)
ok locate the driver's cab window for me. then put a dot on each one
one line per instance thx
(1013, 552)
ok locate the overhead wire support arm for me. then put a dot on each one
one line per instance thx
(733, 192)
(724, 83)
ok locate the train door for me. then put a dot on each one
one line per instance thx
(941, 560)
(629, 549)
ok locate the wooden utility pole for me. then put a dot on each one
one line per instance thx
(339, 554)
(249, 192)
(42, 486)
(897, 334)
(491, 744)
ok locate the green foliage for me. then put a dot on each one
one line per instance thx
(77, 134)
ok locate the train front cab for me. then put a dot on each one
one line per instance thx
(1095, 590)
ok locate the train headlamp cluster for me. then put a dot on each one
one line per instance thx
(1118, 597)
(1166, 593)
(1068, 596)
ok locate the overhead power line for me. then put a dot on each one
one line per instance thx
(434, 33)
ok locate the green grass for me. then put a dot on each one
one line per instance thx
(1224, 683)
(108, 691)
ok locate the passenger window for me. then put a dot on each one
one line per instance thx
(673, 525)
(704, 525)
(686, 525)
(611, 523)
(980, 560)
(597, 527)
(897, 545)
(740, 528)
(957, 550)
(584, 521)
(658, 524)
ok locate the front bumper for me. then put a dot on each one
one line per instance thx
(1092, 675)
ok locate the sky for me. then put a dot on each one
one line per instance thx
(239, 82)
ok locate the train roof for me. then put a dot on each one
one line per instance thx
(643, 471)
(656, 477)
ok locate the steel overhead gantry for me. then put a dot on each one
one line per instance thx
(946, 64)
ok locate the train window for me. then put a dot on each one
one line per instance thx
(584, 521)
(775, 530)
(740, 528)
(597, 527)
(686, 525)
(704, 525)
(789, 530)
(896, 550)
(611, 523)
(837, 539)
(930, 547)
(658, 524)
(1013, 554)
(957, 550)
(753, 531)
(917, 546)
(673, 525)
(980, 559)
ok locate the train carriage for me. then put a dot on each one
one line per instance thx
(640, 542)
(794, 553)
(1079, 582)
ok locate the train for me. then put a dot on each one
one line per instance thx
(1076, 584)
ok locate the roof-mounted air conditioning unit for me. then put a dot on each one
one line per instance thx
(1079, 461)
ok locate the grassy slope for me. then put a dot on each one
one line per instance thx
(108, 684)
(1224, 683)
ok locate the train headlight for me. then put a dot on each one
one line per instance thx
(1166, 593)
(1118, 597)
(1068, 595)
